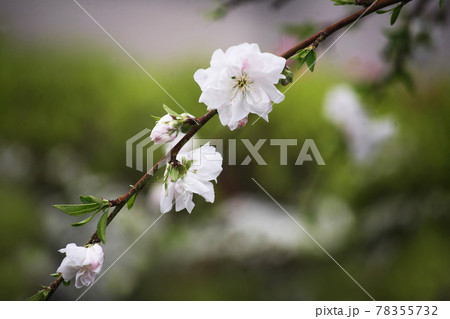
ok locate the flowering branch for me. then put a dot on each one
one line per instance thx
(118, 203)
(197, 124)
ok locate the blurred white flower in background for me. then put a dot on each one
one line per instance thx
(246, 226)
(241, 81)
(364, 135)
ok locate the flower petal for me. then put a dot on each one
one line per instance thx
(166, 202)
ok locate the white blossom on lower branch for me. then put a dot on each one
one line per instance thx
(83, 263)
(193, 173)
(241, 81)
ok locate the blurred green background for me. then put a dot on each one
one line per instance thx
(65, 117)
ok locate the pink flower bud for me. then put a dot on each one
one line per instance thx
(165, 130)
(243, 122)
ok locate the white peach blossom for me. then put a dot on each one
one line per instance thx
(199, 167)
(83, 263)
(241, 81)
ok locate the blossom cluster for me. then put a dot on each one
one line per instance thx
(238, 82)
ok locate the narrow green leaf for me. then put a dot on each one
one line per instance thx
(90, 200)
(188, 165)
(395, 14)
(300, 63)
(84, 222)
(56, 274)
(311, 60)
(384, 11)
(101, 227)
(301, 56)
(40, 295)
(130, 202)
(45, 293)
(66, 283)
(343, 2)
(157, 118)
(168, 110)
(76, 210)
(217, 13)
(303, 53)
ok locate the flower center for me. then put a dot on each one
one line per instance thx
(241, 83)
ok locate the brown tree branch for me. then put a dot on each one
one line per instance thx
(380, 4)
(119, 202)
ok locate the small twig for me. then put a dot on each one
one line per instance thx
(380, 4)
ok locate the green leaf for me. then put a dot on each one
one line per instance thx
(168, 110)
(343, 2)
(40, 295)
(91, 199)
(384, 11)
(155, 117)
(311, 60)
(300, 63)
(174, 175)
(101, 227)
(56, 274)
(76, 210)
(131, 201)
(66, 283)
(217, 13)
(441, 4)
(84, 222)
(395, 13)
(302, 55)
(305, 52)
(188, 165)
